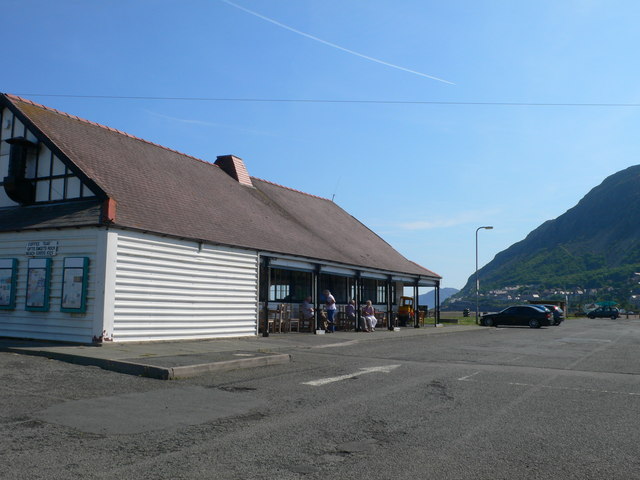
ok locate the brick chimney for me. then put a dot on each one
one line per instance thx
(235, 168)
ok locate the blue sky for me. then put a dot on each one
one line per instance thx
(424, 176)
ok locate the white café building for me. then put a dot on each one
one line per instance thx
(108, 237)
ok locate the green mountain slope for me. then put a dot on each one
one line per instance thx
(593, 245)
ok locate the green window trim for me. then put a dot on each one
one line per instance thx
(8, 283)
(75, 272)
(38, 285)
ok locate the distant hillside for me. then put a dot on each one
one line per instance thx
(594, 245)
(429, 300)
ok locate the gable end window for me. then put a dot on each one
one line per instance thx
(33, 174)
(16, 184)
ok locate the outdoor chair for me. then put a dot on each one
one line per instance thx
(272, 317)
(293, 320)
(382, 319)
(342, 322)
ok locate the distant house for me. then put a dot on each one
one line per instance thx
(104, 236)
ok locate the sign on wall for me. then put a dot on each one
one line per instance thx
(42, 248)
(74, 284)
(8, 280)
(38, 279)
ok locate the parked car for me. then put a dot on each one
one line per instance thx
(533, 315)
(558, 313)
(604, 312)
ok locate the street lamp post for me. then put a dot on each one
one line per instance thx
(477, 282)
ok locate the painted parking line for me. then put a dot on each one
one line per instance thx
(573, 389)
(362, 371)
(550, 387)
(341, 344)
(583, 340)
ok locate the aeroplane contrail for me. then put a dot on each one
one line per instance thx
(357, 54)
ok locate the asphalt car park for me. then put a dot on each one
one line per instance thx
(480, 403)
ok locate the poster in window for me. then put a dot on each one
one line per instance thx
(74, 284)
(38, 276)
(8, 278)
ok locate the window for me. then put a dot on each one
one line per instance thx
(290, 286)
(29, 171)
(8, 281)
(74, 284)
(342, 288)
(375, 290)
(38, 282)
(51, 178)
(54, 181)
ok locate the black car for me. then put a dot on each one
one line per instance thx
(533, 315)
(558, 313)
(604, 312)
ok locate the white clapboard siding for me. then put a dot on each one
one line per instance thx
(167, 289)
(54, 324)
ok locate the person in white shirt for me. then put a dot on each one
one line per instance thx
(330, 306)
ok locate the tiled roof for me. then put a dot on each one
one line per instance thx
(163, 191)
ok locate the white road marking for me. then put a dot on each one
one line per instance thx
(342, 344)
(583, 340)
(572, 389)
(362, 371)
(464, 379)
(590, 390)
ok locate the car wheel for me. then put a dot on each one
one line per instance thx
(534, 323)
(613, 317)
(488, 322)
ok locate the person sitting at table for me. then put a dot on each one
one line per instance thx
(307, 311)
(350, 311)
(369, 314)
